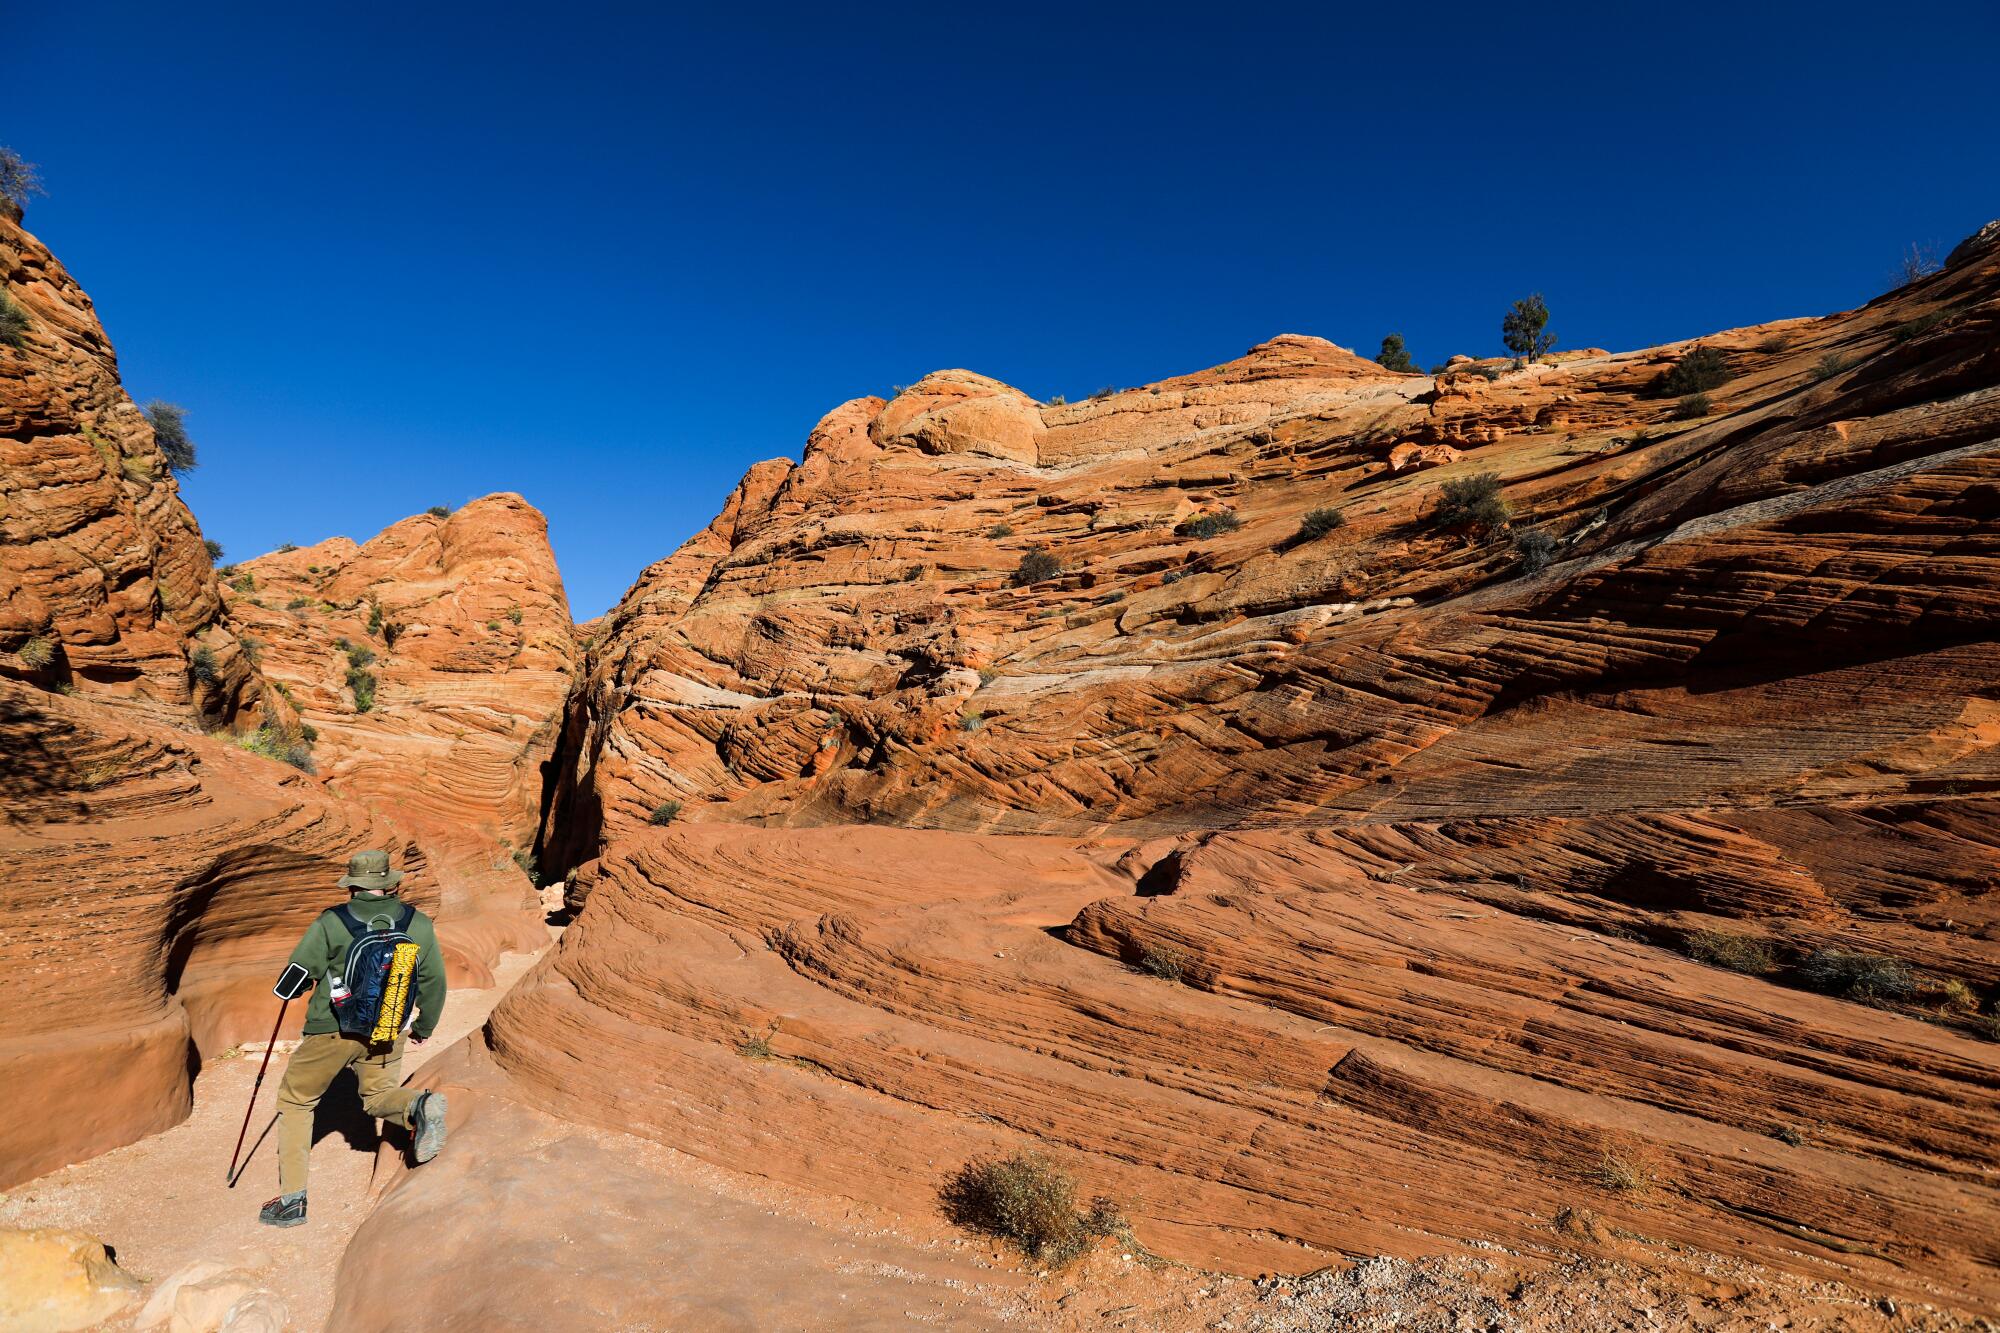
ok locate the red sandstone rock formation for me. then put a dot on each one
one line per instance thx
(105, 586)
(1369, 874)
(152, 878)
(462, 624)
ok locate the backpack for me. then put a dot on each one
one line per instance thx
(373, 987)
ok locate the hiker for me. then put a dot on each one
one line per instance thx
(376, 975)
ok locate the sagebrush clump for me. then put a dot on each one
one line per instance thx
(1163, 961)
(1035, 567)
(1738, 953)
(1030, 1202)
(1318, 522)
(37, 654)
(362, 682)
(1203, 526)
(277, 741)
(1535, 550)
(1865, 977)
(13, 322)
(201, 665)
(1701, 369)
(664, 813)
(1472, 504)
(1693, 407)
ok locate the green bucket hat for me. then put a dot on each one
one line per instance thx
(370, 870)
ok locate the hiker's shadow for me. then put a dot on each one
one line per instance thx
(340, 1112)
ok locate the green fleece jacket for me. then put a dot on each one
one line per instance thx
(324, 949)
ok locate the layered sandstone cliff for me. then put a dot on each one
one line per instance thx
(453, 631)
(157, 862)
(1369, 891)
(106, 587)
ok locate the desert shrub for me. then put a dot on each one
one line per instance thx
(972, 721)
(1701, 369)
(375, 618)
(37, 654)
(1318, 522)
(757, 1048)
(999, 530)
(1525, 328)
(18, 179)
(1867, 977)
(1163, 961)
(13, 322)
(1395, 356)
(439, 511)
(1036, 566)
(201, 665)
(1737, 953)
(244, 582)
(1535, 549)
(1774, 343)
(1473, 503)
(493, 625)
(1919, 261)
(214, 549)
(358, 654)
(274, 740)
(1615, 1173)
(1791, 1135)
(362, 682)
(169, 423)
(525, 859)
(298, 604)
(1833, 363)
(1693, 407)
(664, 813)
(1921, 324)
(253, 649)
(391, 631)
(1203, 526)
(1028, 1201)
(1104, 392)
(514, 614)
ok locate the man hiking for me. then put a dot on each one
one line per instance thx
(376, 974)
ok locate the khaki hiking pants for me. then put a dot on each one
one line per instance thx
(311, 1071)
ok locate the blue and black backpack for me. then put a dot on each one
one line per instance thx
(374, 987)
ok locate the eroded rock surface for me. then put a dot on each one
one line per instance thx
(1341, 893)
(460, 634)
(105, 584)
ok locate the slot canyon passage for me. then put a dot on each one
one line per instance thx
(1576, 916)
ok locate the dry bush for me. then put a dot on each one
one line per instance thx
(1030, 1202)
(1163, 961)
(1738, 953)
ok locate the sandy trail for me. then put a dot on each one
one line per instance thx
(163, 1203)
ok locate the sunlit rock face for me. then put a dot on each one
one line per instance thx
(1345, 886)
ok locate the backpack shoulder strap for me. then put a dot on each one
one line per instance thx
(348, 919)
(409, 915)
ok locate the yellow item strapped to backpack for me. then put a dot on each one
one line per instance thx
(396, 993)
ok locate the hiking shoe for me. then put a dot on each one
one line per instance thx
(427, 1125)
(287, 1210)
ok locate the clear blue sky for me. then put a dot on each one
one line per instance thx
(392, 256)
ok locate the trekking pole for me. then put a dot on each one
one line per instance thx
(251, 1109)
